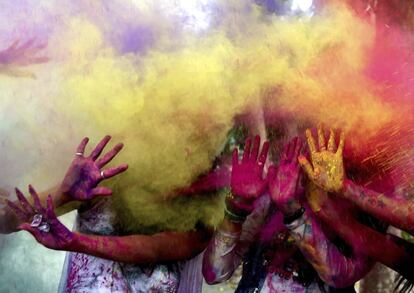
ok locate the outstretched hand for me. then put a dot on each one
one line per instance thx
(41, 222)
(84, 174)
(326, 169)
(247, 182)
(284, 181)
(18, 55)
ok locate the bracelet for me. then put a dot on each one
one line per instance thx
(296, 215)
(228, 234)
(296, 223)
(232, 217)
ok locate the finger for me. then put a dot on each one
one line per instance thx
(81, 147)
(17, 211)
(341, 144)
(111, 172)
(104, 191)
(321, 139)
(50, 211)
(331, 142)
(298, 148)
(306, 166)
(24, 203)
(32, 230)
(99, 148)
(271, 172)
(285, 153)
(263, 154)
(292, 148)
(255, 150)
(311, 142)
(36, 200)
(235, 157)
(109, 155)
(246, 151)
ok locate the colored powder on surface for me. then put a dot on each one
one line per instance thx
(172, 94)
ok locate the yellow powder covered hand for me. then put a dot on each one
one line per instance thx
(326, 169)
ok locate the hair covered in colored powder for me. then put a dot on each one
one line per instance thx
(172, 95)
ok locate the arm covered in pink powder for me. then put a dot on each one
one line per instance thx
(286, 189)
(79, 184)
(333, 267)
(390, 250)
(396, 211)
(43, 224)
(165, 246)
(326, 170)
(221, 257)
(224, 253)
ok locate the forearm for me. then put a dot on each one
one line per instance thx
(377, 246)
(398, 212)
(332, 266)
(220, 258)
(165, 246)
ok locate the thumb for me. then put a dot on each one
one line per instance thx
(32, 230)
(306, 166)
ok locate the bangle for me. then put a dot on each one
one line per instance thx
(295, 224)
(232, 215)
(231, 235)
(234, 218)
(296, 215)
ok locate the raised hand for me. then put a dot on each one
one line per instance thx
(41, 222)
(247, 182)
(284, 181)
(84, 174)
(18, 55)
(326, 169)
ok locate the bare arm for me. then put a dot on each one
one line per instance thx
(398, 212)
(384, 248)
(165, 246)
(334, 268)
(221, 258)
(285, 188)
(49, 231)
(79, 184)
(9, 221)
(224, 253)
(326, 170)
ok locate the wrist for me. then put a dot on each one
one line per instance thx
(77, 244)
(234, 216)
(289, 208)
(62, 197)
(347, 186)
(288, 219)
(237, 207)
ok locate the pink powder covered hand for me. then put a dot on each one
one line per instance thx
(41, 222)
(84, 174)
(247, 182)
(19, 55)
(284, 181)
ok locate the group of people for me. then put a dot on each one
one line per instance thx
(294, 220)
